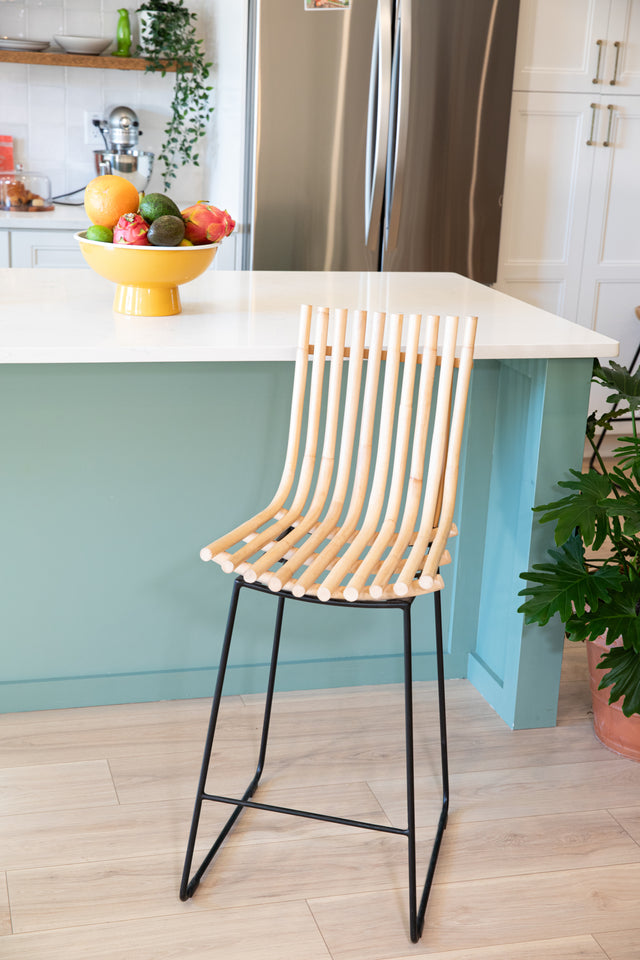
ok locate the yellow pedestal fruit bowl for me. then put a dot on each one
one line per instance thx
(146, 277)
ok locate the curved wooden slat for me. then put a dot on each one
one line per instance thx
(437, 456)
(405, 413)
(363, 461)
(381, 469)
(327, 528)
(308, 458)
(327, 461)
(293, 444)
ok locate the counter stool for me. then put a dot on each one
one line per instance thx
(366, 528)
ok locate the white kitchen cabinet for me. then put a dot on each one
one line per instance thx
(546, 199)
(578, 46)
(570, 241)
(610, 280)
(5, 260)
(44, 248)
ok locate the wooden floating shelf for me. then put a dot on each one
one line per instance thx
(76, 60)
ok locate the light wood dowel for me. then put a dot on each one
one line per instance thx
(308, 458)
(295, 424)
(363, 461)
(436, 461)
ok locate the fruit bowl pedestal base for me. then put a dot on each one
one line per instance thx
(147, 301)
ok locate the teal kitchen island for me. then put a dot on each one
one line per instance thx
(129, 443)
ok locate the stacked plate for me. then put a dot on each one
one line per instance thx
(34, 46)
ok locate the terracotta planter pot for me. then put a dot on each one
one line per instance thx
(617, 732)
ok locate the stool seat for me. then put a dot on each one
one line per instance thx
(324, 551)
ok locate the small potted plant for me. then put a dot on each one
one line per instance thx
(592, 579)
(167, 33)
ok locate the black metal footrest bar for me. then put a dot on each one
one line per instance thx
(381, 827)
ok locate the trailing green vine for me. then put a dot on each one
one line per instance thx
(170, 35)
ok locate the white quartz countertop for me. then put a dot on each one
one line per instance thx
(66, 316)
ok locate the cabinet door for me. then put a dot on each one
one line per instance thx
(4, 249)
(563, 46)
(622, 74)
(610, 286)
(45, 248)
(546, 197)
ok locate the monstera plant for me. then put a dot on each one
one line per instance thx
(592, 577)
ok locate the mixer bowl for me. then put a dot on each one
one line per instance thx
(147, 277)
(134, 165)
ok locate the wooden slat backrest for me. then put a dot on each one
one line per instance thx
(367, 547)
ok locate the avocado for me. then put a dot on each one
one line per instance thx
(154, 205)
(166, 231)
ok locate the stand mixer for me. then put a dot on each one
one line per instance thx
(120, 132)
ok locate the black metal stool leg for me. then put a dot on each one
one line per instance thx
(188, 888)
(411, 811)
(416, 916)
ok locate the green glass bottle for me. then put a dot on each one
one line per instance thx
(123, 34)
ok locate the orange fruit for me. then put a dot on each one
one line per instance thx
(108, 198)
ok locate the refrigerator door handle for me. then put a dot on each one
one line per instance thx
(397, 148)
(378, 117)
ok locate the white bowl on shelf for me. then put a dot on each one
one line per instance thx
(88, 46)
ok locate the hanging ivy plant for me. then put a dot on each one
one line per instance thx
(168, 34)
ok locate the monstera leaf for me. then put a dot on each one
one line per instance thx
(625, 385)
(566, 587)
(627, 454)
(618, 615)
(627, 508)
(585, 509)
(623, 678)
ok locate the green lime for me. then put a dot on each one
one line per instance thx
(104, 234)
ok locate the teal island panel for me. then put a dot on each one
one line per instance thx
(114, 475)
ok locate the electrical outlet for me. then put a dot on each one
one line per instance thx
(92, 135)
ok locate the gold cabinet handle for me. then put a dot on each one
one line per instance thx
(600, 45)
(613, 82)
(608, 142)
(591, 142)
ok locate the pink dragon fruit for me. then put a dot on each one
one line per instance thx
(206, 224)
(131, 229)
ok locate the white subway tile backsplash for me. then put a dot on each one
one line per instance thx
(121, 87)
(42, 23)
(83, 22)
(42, 78)
(15, 108)
(47, 108)
(45, 146)
(13, 20)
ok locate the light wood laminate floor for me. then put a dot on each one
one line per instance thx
(541, 859)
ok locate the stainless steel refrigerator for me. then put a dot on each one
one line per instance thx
(377, 134)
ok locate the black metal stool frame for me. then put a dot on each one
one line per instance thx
(416, 911)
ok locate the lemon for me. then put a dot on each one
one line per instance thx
(186, 243)
(104, 234)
